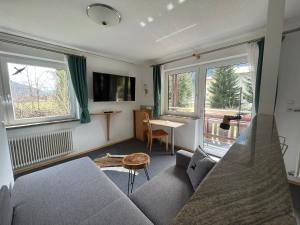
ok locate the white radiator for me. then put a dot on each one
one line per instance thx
(31, 149)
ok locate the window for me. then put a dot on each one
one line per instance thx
(36, 91)
(181, 96)
(228, 92)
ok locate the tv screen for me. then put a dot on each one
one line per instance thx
(108, 87)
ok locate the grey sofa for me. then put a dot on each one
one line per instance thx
(164, 195)
(78, 192)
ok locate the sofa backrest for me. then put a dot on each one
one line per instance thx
(6, 208)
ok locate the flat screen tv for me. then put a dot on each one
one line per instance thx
(109, 87)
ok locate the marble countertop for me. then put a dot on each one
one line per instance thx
(248, 185)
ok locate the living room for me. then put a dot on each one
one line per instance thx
(114, 101)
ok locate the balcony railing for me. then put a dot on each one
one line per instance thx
(213, 132)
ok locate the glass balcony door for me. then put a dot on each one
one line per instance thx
(228, 91)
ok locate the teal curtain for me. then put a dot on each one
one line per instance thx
(77, 67)
(260, 45)
(156, 90)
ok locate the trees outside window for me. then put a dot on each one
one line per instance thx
(224, 90)
(36, 91)
(248, 93)
(181, 92)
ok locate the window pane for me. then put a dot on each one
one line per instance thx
(181, 92)
(228, 92)
(38, 91)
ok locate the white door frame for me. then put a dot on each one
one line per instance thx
(202, 88)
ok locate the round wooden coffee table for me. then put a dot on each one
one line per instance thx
(134, 162)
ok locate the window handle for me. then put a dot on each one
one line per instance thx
(3, 123)
(8, 98)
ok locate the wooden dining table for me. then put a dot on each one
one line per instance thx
(169, 124)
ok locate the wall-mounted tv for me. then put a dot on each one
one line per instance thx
(109, 87)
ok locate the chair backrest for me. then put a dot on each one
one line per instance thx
(149, 128)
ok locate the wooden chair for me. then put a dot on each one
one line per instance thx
(155, 134)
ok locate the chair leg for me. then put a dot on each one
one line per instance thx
(167, 143)
(150, 145)
(148, 142)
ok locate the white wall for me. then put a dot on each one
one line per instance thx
(270, 65)
(147, 78)
(6, 173)
(289, 90)
(93, 134)
(186, 136)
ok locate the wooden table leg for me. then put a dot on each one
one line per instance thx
(172, 140)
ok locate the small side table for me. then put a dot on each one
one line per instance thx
(134, 162)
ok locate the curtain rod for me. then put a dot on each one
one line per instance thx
(19, 40)
(223, 48)
(37, 44)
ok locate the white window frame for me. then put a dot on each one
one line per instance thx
(5, 94)
(211, 65)
(234, 60)
(166, 89)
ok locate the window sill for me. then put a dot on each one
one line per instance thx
(179, 118)
(8, 127)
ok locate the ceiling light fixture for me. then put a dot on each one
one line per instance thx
(170, 6)
(143, 24)
(150, 19)
(103, 14)
(181, 1)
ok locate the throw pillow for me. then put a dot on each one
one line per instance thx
(198, 154)
(199, 166)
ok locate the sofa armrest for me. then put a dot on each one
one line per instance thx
(183, 158)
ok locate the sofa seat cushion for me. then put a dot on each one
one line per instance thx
(66, 194)
(119, 212)
(6, 208)
(164, 195)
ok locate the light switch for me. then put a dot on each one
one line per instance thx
(290, 105)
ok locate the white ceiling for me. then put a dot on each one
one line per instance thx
(190, 24)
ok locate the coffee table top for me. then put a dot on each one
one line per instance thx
(136, 161)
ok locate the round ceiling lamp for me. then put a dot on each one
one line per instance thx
(104, 15)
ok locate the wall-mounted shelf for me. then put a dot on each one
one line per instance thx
(108, 115)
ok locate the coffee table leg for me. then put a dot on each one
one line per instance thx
(146, 172)
(129, 180)
(132, 180)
